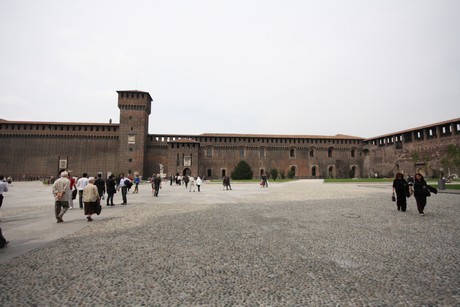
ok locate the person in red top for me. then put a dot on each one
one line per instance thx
(73, 183)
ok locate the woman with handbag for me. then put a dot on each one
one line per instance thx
(91, 199)
(421, 192)
(401, 187)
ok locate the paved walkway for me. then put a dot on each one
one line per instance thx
(292, 244)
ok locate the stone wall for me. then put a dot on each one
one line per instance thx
(31, 150)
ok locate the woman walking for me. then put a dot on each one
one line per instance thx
(421, 192)
(401, 188)
(91, 199)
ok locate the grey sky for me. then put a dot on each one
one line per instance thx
(361, 68)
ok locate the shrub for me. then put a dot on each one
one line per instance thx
(242, 171)
(274, 173)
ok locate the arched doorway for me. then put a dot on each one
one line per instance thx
(186, 172)
(224, 172)
(292, 172)
(353, 171)
(313, 171)
(331, 171)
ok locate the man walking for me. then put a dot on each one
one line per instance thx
(125, 183)
(61, 192)
(157, 185)
(3, 188)
(100, 184)
(81, 184)
(111, 190)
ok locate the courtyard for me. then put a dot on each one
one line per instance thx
(299, 243)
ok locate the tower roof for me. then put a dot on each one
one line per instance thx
(136, 91)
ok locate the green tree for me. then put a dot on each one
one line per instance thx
(452, 158)
(274, 173)
(242, 171)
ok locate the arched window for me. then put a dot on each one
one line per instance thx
(262, 152)
(292, 153)
(330, 152)
(312, 153)
(241, 152)
(353, 152)
(209, 152)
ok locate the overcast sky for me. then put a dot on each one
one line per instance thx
(355, 67)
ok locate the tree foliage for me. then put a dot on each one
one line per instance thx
(452, 158)
(242, 171)
(274, 173)
(291, 174)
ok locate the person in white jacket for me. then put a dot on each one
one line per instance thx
(199, 182)
(192, 183)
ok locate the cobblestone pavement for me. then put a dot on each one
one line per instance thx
(302, 243)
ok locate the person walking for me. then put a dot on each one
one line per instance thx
(421, 191)
(124, 184)
(401, 188)
(61, 192)
(3, 241)
(226, 183)
(137, 180)
(186, 180)
(199, 182)
(81, 184)
(192, 183)
(111, 190)
(3, 188)
(156, 185)
(100, 184)
(264, 182)
(73, 190)
(91, 199)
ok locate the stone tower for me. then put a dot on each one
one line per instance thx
(135, 107)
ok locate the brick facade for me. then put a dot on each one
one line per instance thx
(36, 149)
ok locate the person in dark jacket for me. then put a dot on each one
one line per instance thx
(401, 188)
(421, 192)
(100, 184)
(111, 189)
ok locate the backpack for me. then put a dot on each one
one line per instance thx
(128, 183)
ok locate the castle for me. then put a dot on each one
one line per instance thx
(39, 149)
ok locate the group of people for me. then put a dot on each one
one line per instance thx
(90, 192)
(264, 182)
(417, 186)
(226, 183)
(189, 181)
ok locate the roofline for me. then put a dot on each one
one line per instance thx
(414, 129)
(135, 91)
(56, 123)
(338, 136)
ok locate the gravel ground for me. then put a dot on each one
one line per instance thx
(302, 243)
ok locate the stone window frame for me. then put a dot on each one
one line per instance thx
(292, 153)
(262, 152)
(330, 152)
